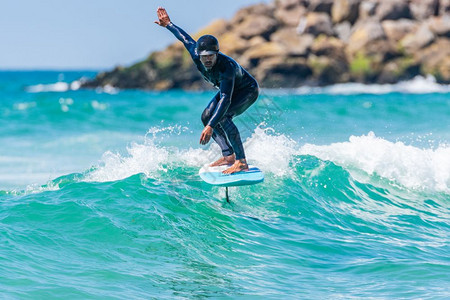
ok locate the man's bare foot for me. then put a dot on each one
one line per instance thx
(224, 161)
(238, 166)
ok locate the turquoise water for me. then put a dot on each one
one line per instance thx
(100, 197)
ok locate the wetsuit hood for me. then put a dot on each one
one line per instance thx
(207, 45)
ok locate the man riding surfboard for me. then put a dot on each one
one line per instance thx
(238, 90)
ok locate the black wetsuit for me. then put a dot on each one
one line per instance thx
(237, 91)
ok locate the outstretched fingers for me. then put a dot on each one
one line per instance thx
(163, 17)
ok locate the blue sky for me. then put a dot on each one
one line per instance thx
(96, 34)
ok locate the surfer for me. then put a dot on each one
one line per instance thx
(238, 90)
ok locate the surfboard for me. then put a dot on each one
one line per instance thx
(214, 176)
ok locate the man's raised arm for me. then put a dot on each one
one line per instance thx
(180, 34)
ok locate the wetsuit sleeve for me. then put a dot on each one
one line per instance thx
(183, 37)
(227, 79)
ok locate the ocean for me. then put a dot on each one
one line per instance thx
(100, 196)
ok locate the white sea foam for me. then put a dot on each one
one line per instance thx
(269, 151)
(150, 158)
(417, 85)
(147, 159)
(75, 85)
(404, 165)
(65, 103)
(98, 105)
(24, 105)
(109, 89)
(411, 167)
(54, 87)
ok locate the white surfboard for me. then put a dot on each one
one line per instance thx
(214, 176)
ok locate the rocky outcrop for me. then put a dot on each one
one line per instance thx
(289, 43)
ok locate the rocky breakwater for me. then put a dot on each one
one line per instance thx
(290, 43)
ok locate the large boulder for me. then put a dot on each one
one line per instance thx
(283, 71)
(402, 68)
(286, 4)
(331, 47)
(256, 10)
(256, 41)
(418, 39)
(265, 50)
(294, 44)
(368, 50)
(231, 43)
(435, 59)
(345, 10)
(423, 9)
(289, 12)
(395, 30)
(443, 72)
(323, 6)
(367, 9)
(365, 33)
(393, 10)
(328, 60)
(256, 25)
(253, 56)
(343, 31)
(440, 25)
(444, 7)
(316, 23)
(327, 70)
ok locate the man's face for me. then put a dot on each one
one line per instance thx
(208, 60)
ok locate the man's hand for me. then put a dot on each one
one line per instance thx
(206, 135)
(163, 17)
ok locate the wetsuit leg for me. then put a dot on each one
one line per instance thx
(219, 134)
(233, 135)
(240, 102)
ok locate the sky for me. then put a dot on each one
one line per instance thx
(96, 34)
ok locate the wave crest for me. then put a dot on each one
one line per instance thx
(411, 167)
